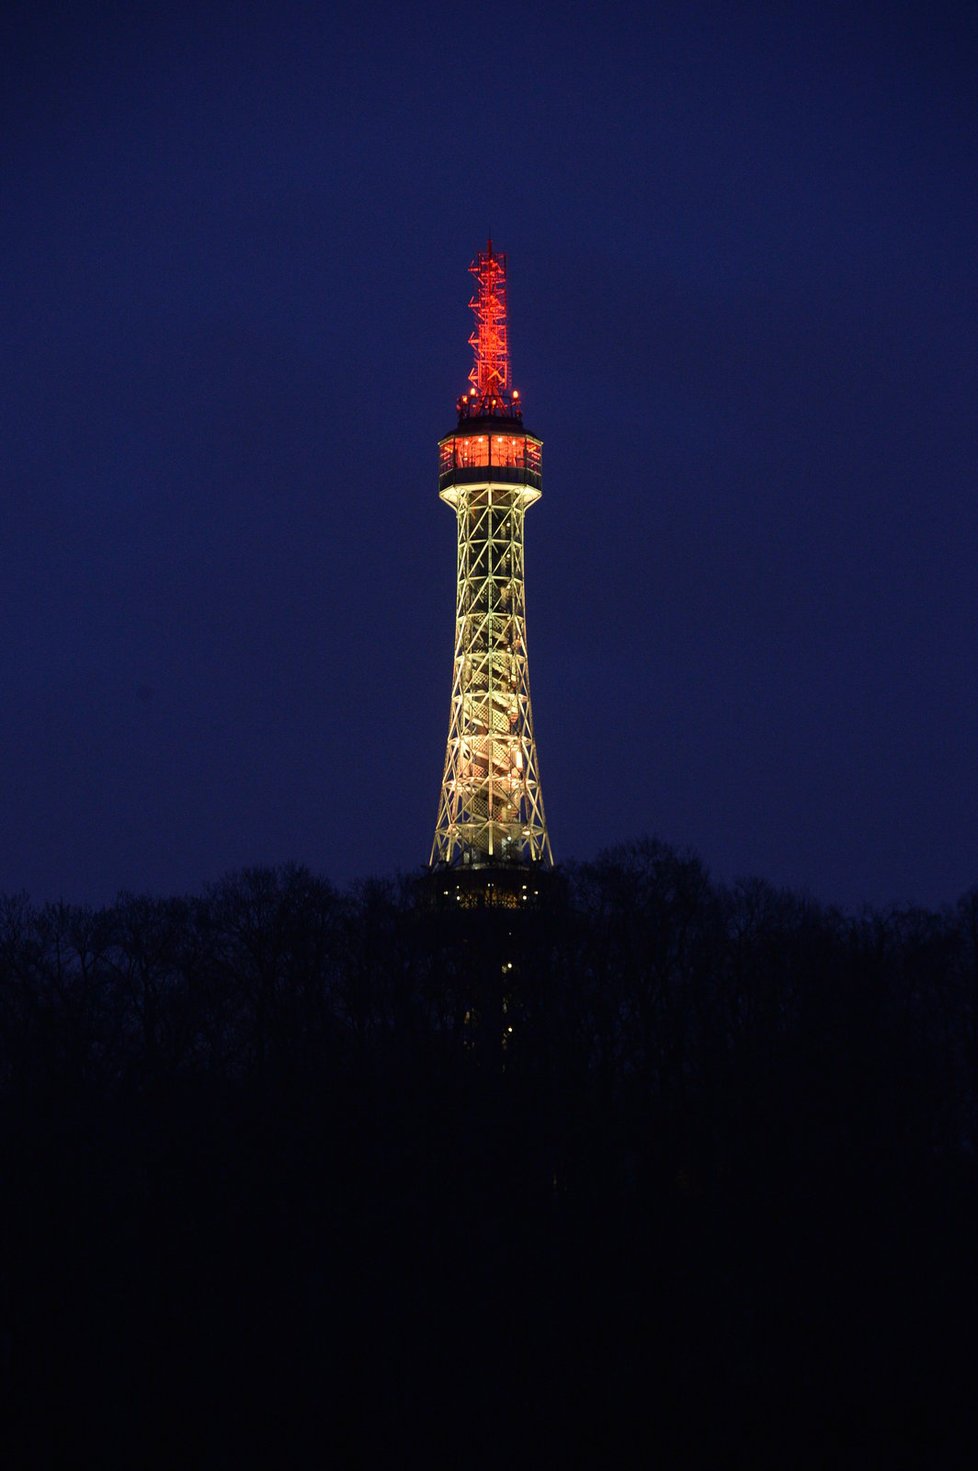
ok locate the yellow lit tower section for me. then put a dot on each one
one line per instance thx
(490, 815)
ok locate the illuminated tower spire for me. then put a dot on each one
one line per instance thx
(489, 340)
(491, 810)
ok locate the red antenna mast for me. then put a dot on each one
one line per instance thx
(490, 394)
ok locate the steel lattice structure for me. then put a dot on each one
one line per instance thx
(491, 808)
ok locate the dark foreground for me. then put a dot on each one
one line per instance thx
(281, 1188)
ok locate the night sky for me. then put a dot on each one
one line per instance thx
(742, 258)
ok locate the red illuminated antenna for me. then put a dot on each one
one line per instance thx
(490, 391)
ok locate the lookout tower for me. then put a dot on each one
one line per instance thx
(491, 826)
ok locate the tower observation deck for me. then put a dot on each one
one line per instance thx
(490, 814)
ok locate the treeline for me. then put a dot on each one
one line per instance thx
(658, 1164)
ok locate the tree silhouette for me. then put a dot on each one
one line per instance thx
(656, 1161)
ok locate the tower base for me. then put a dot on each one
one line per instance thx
(511, 886)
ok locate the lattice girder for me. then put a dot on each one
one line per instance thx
(491, 806)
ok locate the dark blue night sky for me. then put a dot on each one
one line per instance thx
(742, 248)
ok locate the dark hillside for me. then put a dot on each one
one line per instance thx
(293, 1176)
